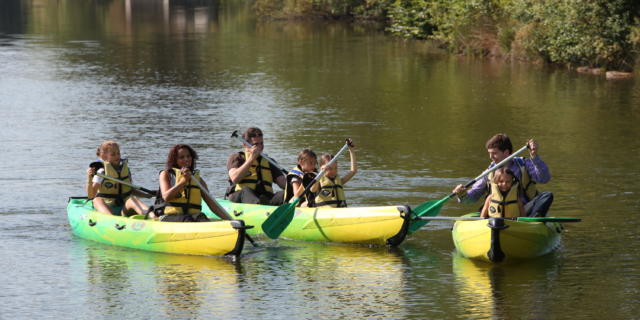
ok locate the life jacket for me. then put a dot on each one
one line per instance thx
(331, 193)
(288, 190)
(259, 178)
(114, 190)
(527, 185)
(188, 200)
(501, 206)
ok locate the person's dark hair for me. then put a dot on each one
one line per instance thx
(500, 141)
(503, 171)
(307, 154)
(172, 158)
(252, 133)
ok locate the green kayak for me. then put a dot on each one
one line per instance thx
(197, 238)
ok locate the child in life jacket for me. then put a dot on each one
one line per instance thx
(109, 196)
(504, 200)
(180, 189)
(300, 176)
(331, 191)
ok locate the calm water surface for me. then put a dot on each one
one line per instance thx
(152, 73)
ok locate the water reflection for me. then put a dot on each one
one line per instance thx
(130, 282)
(193, 286)
(316, 280)
(505, 291)
(321, 281)
(109, 280)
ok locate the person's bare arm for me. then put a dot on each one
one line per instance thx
(236, 174)
(91, 188)
(485, 209)
(354, 167)
(169, 192)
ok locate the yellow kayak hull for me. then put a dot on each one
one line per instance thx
(361, 225)
(498, 240)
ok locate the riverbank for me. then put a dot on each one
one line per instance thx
(591, 35)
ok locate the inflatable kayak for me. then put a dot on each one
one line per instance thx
(498, 240)
(364, 225)
(197, 238)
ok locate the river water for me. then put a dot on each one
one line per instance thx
(152, 73)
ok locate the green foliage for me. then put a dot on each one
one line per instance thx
(597, 33)
(471, 26)
(287, 9)
(634, 35)
(410, 19)
(372, 9)
(594, 33)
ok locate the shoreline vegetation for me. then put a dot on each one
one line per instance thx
(600, 37)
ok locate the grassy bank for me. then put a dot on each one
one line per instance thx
(593, 33)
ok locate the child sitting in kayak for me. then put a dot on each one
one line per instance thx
(180, 197)
(504, 200)
(300, 176)
(109, 196)
(331, 192)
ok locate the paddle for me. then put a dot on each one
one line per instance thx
(281, 217)
(221, 208)
(521, 219)
(99, 165)
(432, 208)
(248, 144)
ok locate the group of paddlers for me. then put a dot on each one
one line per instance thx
(251, 178)
(511, 190)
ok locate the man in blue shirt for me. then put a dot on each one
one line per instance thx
(529, 172)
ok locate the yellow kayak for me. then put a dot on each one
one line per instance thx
(498, 240)
(197, 238)
(361, 225)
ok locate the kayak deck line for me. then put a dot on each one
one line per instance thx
(332, 223)
(382, 225)
(171, 237)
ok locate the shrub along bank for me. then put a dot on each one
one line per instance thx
(594, 33)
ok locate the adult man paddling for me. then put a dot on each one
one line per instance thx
(529, 172)
(251, 176)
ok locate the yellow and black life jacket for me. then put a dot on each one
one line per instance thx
(259, 178)
(527, 185)
(114, 190)
(331, 193)
(188, 200)
(288, 190)
(501, 206)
